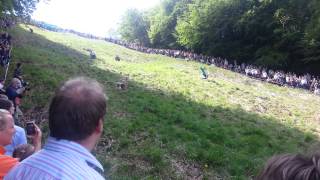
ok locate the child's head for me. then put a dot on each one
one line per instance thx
(23, 151)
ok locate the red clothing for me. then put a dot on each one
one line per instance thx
(6, 163)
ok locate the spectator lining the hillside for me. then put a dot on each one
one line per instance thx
(18, 74)
(19, 136)
(7, 131)
(76, 116)
(261, 73)
(15, 91)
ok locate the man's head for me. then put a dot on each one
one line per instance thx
(7, 105)
(77, 109)
(7, 129)
(16, 83)
(291, 167)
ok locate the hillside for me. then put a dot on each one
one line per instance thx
(170, 123)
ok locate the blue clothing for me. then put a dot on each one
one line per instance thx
(59, 159)
(19, 138)
(12, 93)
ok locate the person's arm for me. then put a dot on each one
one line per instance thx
(36, 138)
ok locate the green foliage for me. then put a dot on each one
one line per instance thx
(134, 27)
(276, 34)
(18, 8)
(163, 21)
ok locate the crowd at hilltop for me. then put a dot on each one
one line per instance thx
(278, 77)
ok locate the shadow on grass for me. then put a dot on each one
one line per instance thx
(150, 133)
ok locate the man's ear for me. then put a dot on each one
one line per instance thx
(99, 128)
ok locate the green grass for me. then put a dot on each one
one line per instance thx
(171, 124)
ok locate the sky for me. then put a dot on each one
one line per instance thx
(90, 16)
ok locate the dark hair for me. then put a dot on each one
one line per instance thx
(23, 151)
(291, 167)
(5, 104)
(76, 109)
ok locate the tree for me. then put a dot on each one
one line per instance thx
(133, 27)
(18, 8)
(163, 21)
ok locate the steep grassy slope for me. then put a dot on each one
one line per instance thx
(170, 123)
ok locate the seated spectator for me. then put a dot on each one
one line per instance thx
(15, 91)
(18, 71)
(19, 136)
(18, 74)
(291, 167)
(23, 151)
(76, 116)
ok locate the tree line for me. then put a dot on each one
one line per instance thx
(17, 9)
(280, 34)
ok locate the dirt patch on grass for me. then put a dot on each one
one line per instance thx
(105, 144)
(187, 170)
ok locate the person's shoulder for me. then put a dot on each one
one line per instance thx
(19, 129)
(21, 133)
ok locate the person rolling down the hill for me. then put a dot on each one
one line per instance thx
(204, 73)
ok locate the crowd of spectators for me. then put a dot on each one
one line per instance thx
(5, 49)
(7, 22)
(76, 119)
(305, 81)
(279, 77)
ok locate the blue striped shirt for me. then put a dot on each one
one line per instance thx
(59, 159)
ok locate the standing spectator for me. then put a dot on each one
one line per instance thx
(7, 131)
(19, 136)
(76, 117)
(15, 91)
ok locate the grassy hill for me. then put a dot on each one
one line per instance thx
(171, 124)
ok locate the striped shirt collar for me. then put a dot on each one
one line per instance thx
(71, 147)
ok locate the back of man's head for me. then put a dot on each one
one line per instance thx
(76, 109)
(291, 167)
(5, 104)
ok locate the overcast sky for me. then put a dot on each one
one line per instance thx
(90, 16)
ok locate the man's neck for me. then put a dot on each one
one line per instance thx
(89, 143)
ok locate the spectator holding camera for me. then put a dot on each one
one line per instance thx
(15, 91)
(76, 116)
(7, 132)
(19, 136)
